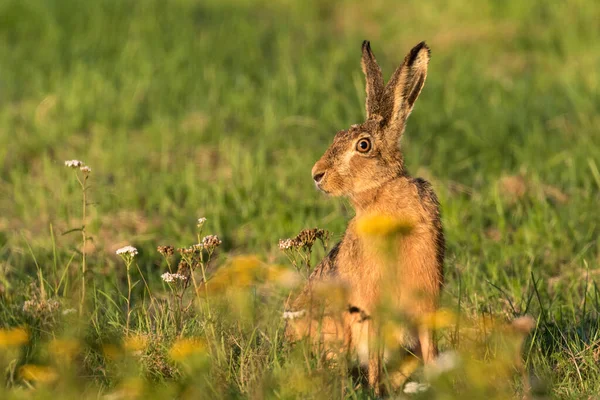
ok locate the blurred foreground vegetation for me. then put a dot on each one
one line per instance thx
(219, 108)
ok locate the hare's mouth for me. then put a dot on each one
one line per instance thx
(320, 189)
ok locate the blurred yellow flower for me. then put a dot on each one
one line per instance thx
(442, 318)
(383, 225)
(333, 293)
(38, 373)
(184, 348)
(136, 344)
(131, 388)
(241, 271)
(13, 337)
(63, 348)
(111, 351)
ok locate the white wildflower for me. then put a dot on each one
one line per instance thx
(74, 163)
(168, 277)
(69, 311)
(445, 362)
(201, 222)
(415, 387)
(127, 250)
(85, 169)
(293, 314)
(285, 244)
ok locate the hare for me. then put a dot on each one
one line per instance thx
(365, 163)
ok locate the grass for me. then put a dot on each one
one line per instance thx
(220, 108)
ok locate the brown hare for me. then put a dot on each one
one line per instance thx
(365, 164)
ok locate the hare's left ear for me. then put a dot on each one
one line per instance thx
(374, 86)
(405, 86)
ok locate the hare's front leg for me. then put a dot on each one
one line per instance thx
(427, 345)
(375, 358)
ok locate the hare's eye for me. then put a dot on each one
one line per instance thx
(363, 145)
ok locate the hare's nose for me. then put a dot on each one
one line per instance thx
(318, 176)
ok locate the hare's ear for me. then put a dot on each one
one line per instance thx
(405, 86)
(374, 80)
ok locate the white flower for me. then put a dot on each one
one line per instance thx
(285, 244)
(127, 250)
(201, 222)
(69, 311)
(446, 361)
(168, 277)
(74, 163)
(85, 169)
(415, 387)
(293, 314)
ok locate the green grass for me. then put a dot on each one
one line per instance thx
(219, 108)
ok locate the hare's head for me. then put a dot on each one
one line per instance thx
(368, 155)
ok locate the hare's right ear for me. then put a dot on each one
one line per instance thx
(374, 80)
(405, 86)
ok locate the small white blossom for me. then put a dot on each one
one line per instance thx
(168, 277)
(285, 244)
(415, 387)
(69, 311)
(445, 362)
(74, 163)
(201, 222)
(293, 314)
(85, 169)
(127, 250)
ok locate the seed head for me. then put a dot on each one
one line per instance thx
(211, 242)
(166, 251)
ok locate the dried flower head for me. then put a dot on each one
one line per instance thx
(211, 242)
(201, 222)
(85, 169)
(169, 278)
(305, 239)
(74, 163)
(40, 308)
(183, 268)
(186, 250)
(166, 251)
(128, 251)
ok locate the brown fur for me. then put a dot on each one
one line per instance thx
(377, 183)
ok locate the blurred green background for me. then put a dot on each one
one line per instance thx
(219, 108)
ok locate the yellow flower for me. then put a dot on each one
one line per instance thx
(240, 272)
(332, 293)
(442, 318)
(62, 348)
(111, 351)
(383, 225)
(38, 373)
(13, 337)
(136, 344)
(184, 348)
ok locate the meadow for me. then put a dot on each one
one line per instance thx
(186, 109)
